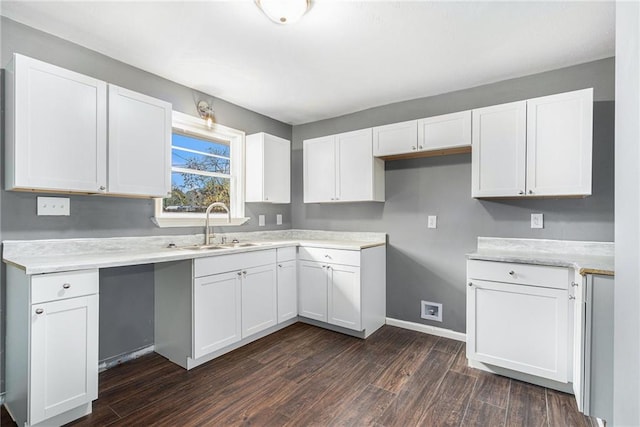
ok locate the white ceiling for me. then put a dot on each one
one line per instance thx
(343, 56)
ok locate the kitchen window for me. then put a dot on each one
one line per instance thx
(206, 166)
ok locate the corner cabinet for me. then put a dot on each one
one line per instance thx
(540, 147)
(52, 346)
(341, 168)
(345, 288)
(67, 132)
(519, 318)
(268, 166)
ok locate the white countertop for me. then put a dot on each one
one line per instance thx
(586, 257)
(48, 256)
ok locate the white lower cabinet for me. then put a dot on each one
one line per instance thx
(216, 312)
(344, 288)
(259, 299)
(52, 346)
(520, 322)
(287, 277)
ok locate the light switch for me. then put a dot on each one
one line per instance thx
(261, 220)
(54, 206)
(279, 219)
(537, 220)
(432, 221)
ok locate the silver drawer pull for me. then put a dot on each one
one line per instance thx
(470, 284)
(574, 284)
(66, 285)
(239, 273)
(280, 265)
(571, 297)
(39, 311)
(511, 273)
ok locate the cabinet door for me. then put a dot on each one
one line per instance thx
(64, 356)
(499, 149)
(559, 144)
(319, 163)
(312, 290)
(344, 296)
(355, 179)
(60, 134)
(259, 299)
(579, 312)
(277, 166)
(518, 327)
(139, 144)
(445, 131)
(287, 291)
(217, 308)
(396, 138)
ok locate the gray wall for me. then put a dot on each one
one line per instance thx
(429, 264)
(626, 376)
(126, 295)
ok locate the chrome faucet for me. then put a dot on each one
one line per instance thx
(207, 235)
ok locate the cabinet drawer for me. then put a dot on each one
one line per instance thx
(69, 284)
(232, 262)
(523, 274)
(334, 256)
(286, 254)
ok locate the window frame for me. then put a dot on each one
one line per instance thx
(195, 126)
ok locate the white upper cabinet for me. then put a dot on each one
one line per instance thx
(63, 130)
(139, 144)
(499, 150)
(268, 166)
(539, 147)
(56, 129)
(559, 144)
(445, 132)
(396, 138)
(341, 168)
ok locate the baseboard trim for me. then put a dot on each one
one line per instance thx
(125, 357)
(431, 330)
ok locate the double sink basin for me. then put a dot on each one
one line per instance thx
(220, 246)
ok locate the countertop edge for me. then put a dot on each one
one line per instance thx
(560, 260)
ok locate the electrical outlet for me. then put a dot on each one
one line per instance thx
(54, 206)
(432, 221)
(261, 221)
(537, 220)
(279, 219)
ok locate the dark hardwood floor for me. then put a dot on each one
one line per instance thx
(303, 376)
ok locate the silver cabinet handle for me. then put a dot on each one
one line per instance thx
(66, 285)
(571, 297)
(420, 147)
(239, 273)
(521, 192)
(39, 311)
(102, 187)
(328, 256)
(470, 284)
(413, 147)
(574, 284)
(511, 273)
(280, 265)
(530, 191)
(244, 273)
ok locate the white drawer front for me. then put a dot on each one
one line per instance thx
(334, 256)
(523, 274)
(69, 284)
(286, 254)
(232, 262)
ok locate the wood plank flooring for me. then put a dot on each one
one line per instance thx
(307, 376)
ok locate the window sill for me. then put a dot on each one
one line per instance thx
(196, 222)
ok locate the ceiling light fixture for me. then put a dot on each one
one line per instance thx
(284, 11)
(206, 112)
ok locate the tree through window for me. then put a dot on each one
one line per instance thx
(200, 174)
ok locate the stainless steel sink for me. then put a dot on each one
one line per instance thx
(201, 247)
(238, 245)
